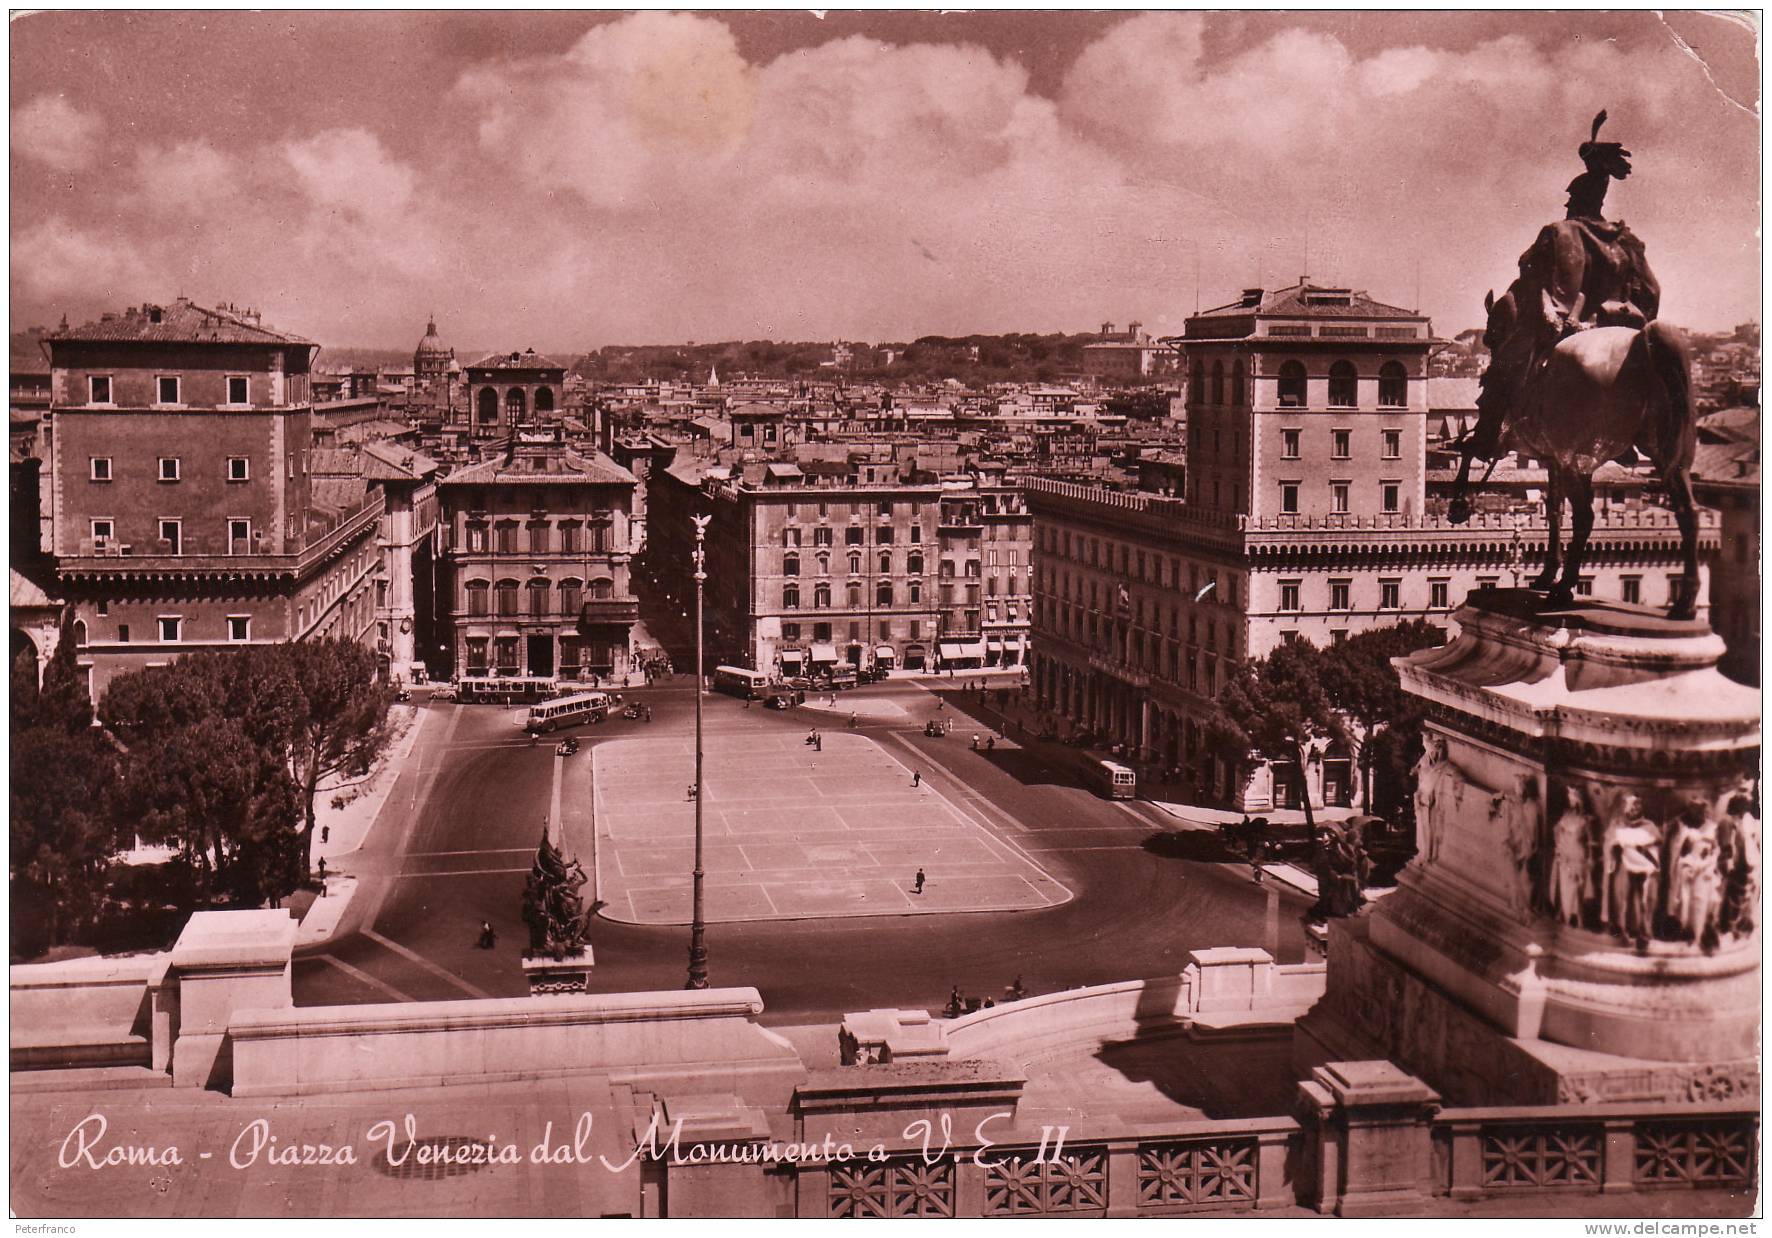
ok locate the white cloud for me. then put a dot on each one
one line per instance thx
(350, 171)
(56, 259)
(188, 177)
(54, 132)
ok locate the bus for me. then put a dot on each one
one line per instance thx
(1113, 780)
(738, 681)
(512, 690)
(573, 710)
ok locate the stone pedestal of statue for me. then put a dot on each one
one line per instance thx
(549, 976)
(1581, 920)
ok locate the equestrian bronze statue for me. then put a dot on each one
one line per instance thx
(1582, 371)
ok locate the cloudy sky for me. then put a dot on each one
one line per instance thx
(569, 180)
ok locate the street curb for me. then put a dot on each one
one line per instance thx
(323, 936)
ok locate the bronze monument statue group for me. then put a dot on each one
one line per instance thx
(559, 922)
(1583, 372)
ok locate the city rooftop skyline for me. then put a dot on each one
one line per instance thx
(570, 180)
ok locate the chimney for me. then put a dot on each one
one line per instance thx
(1251, 298)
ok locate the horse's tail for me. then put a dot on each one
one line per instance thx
(1673, 433)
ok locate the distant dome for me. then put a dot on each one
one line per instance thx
(432, 345)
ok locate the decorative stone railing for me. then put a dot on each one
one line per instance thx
(1492, 1153)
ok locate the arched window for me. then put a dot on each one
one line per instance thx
(1292, 388)
(571, 595)
(538, 597)
(80, 633)
(544, 400)
(855, 563)
(507, 597)
(790, 597)
(515, 406)
(1218, 382)
(790, 565)
(821, 597)
(1393, 385)
(477, 590)
(824, 565)
(1196, 388)
(1237, 382)
(854, 595)
(886, 562)
(1344, 385)
(488, 406)
(602, 587)
(914, 564)
(883, 593)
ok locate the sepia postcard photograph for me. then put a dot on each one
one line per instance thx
(761, 615)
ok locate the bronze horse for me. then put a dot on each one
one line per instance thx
(1599, 393)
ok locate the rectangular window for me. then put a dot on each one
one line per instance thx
(790, 631)
(477, 538)
(538, 539)
(239, 469)
(883, 535)
(1289, 444)
(1338, 495)
(122, 633)
(169, 537)
(169, 468)
(1584, 585)
(1341, 444)
(1390, 594)
(1630, 588)
(821, 537)
(916, 534)
(1289, 497)
(1488, 582)
(821, 631)
(1289, 594)
(1391, 495)
(1341, 595)
(507, 539)
(1438, 592)
(103, 530)
(238, 389)
(1393, 444)
(167, 387)
(170, 627)
(239, 537)
(239, 627)
(98, 388)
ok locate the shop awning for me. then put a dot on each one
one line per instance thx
(885, 653)
(793, 656)
(824, 653)
(995, 646)
(953, 651)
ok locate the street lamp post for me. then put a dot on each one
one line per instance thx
(698, 948)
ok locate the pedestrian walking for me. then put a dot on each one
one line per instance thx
(918, 888)
(817, 742)
(916, 778)
(325, 833)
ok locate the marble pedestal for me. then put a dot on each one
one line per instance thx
(549, 976)
(1581, 920)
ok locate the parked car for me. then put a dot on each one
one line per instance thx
(798, 683)
(443, 692)
(567, 747)
(934, 729)
(784, 700)
(1282, 841)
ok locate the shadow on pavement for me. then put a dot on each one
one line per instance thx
(1197, 845)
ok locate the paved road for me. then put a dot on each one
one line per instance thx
(466, 814)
